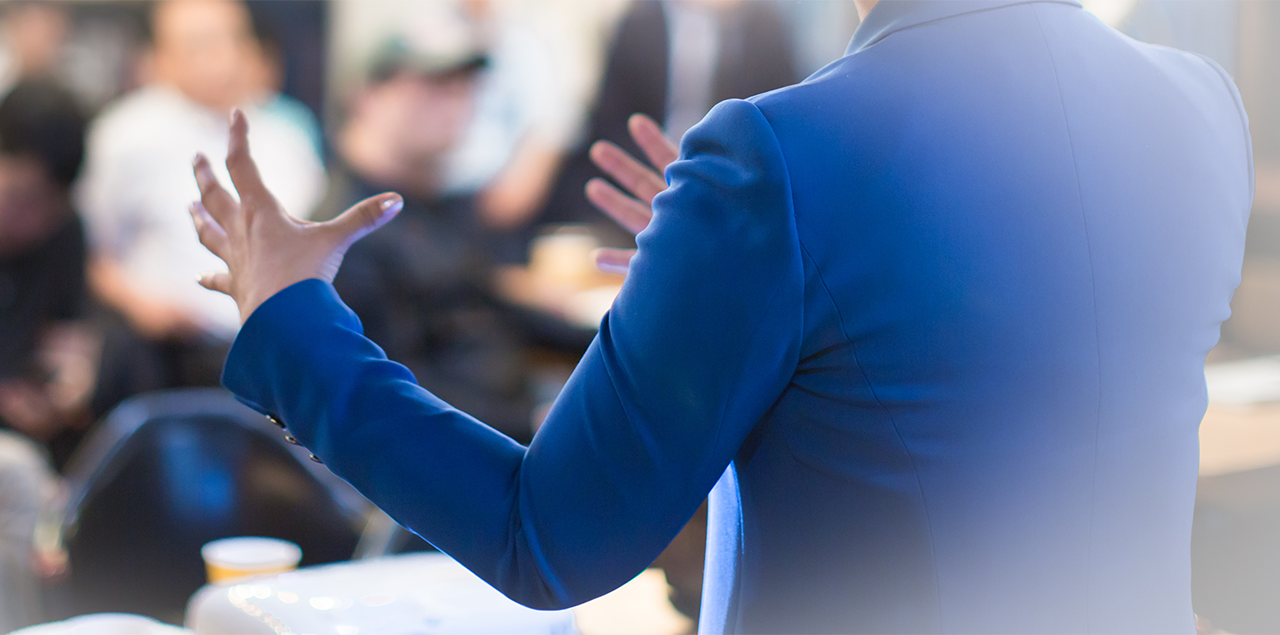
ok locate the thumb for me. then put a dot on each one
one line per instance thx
(364, 217)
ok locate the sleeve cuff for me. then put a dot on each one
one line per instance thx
(263, 349)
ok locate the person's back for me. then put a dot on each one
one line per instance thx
(941, 311)
(1017, 252)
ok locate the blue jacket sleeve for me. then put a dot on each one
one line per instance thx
(701, 341)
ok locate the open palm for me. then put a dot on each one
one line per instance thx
(632, 211)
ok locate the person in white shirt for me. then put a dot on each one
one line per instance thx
(134, 194)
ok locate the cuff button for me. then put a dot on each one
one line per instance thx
(316, 459)
(276, 420)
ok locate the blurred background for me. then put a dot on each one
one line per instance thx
(115, 455)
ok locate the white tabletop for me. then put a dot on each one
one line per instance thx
(422, 594)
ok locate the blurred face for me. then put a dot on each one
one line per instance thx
(204, 48)
(34, 34)
(32, 205)
(421, 117)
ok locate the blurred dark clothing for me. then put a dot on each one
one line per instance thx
(755, 55)
(421, 287)
(39, 287)
(133, 364)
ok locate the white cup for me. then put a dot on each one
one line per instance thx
(234, 558)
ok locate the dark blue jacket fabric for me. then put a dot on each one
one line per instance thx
(932, 323)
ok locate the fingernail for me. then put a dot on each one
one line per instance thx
(391, 202)
(200, 279)
(234, 112)
(195, 159)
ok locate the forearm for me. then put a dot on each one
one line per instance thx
(151, 314)
(516, 193)
(433, 468)
(600, 492)
(109, 284)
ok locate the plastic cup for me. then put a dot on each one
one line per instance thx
(235, 558)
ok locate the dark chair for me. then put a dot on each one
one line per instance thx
(166, 473)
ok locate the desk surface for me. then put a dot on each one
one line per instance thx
(417, 594)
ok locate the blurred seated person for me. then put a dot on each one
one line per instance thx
(47, 351)
(144, 253)
(672, 60)
(421, 288)
(525, 120)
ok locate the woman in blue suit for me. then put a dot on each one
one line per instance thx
(929, 326)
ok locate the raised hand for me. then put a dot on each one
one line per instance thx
(643, 182)
(266, 249)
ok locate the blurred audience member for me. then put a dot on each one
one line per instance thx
(420, 286)
(673, 60)
(26, 486)
(525, 119)
(136, 190)
(33, 35)
(48, 355)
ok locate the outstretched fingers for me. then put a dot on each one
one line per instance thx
(216, 281)
(637, 178)
(656, 146)
(217, 201)
(363, 217)
(244, 172)
(211, 234)
(628, 212)
(611, 260)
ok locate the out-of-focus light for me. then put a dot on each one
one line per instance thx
(287, 597)
(323, 603)
(1112, 12)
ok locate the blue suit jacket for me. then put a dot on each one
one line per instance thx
(934, 319)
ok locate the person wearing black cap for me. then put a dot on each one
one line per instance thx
(423, 287)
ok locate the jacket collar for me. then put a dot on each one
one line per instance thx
(890, 16)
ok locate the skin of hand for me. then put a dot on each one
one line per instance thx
(68, 353)
(643, 182)
(267, 250)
